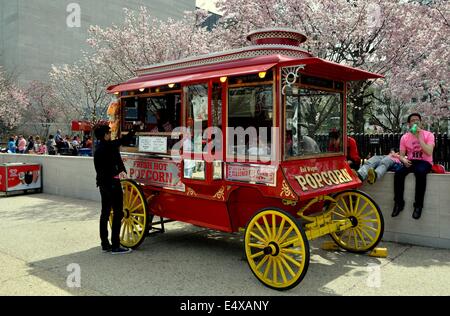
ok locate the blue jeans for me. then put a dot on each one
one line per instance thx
(381, 164)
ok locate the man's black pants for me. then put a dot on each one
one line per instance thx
(112, 197)
(420, 168)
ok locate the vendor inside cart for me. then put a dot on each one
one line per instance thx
(157, 110)
(161, 121)
(251, 111)
(310, 113)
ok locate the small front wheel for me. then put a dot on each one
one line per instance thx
(135, 215)
(276, 248)
(366, 218)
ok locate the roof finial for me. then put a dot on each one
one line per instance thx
(280, 36)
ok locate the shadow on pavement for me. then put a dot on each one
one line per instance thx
(48, 208)
(182, 262)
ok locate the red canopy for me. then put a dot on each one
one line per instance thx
(135, 84)
(327, 69)
(313, 66)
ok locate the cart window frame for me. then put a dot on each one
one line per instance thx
(212, 171)
(252, 81)
(309, 141)
(126, 125)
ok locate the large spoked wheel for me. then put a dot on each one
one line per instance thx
(135, 216)
(276, 248)
(366, 218)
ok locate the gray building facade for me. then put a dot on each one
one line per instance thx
(34, 34)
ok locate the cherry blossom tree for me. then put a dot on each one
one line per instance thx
(142, 40)
(421, 83)
(44, 108)
(13, 103)
(119, 51)
(81, 88)
(405, 41)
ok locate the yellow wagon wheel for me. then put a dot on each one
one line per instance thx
(366, 218)
(135, 218)
(276, 248)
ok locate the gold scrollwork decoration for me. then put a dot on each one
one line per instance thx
(289, 202)
(286, 191)
(191, 192)
(220, 195)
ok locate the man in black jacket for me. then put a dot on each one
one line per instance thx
(109, 167)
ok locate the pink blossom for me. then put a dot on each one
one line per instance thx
(13, 102)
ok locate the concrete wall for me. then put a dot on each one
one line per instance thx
(75, 177)
(9, 24)
(433, 228)
(63, 175)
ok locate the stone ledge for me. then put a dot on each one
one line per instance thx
(433, 228)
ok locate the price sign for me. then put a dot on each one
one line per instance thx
(153, 144)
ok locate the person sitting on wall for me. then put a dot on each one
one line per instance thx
(416, 154)
(88, 143)
(375, 168)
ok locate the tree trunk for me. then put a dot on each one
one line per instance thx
(358, 115)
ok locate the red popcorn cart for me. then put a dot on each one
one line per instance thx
(20, 178)
(253, 140)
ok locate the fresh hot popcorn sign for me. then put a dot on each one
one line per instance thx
(154, 172)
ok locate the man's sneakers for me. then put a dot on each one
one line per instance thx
(371, 176)
(120, 250)
(106, 248)
(115, 251)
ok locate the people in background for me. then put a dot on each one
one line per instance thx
(30, 145)
(306, 146)
(51, 145)
(11, 145)
(22, 145)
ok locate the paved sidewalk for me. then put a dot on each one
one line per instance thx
(43, 234)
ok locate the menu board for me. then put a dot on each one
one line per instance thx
(153, 144)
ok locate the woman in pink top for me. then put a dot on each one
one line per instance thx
(416, 154)
(22, 145)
